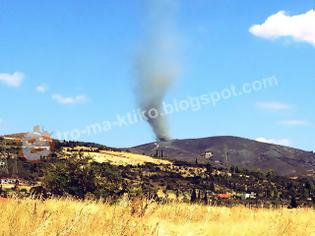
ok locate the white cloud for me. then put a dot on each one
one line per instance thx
(293, 122)
(12, 80)
(284, 142)
(273, 106)
(42, 88)
(299, 27)
(69, 100)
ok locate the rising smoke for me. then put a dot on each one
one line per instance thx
(157, 64)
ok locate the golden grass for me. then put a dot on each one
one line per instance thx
(69, 217)
(124, 158)
(115, 157)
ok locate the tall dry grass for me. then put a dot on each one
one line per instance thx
(69, 217)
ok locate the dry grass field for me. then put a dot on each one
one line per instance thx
(69, 217)
(125, 158)
(115, 157)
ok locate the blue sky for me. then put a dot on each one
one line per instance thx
(68, 64)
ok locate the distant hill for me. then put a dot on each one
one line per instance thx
(153, 175)
(228, 150)
(221, 151)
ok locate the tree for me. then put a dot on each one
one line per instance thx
(177, 194)
(205, 197)
(73, 176)
(291, 188)
(110, 182)
(211, 186)
(193, 197)
(209, 169)
(293, 203)
(199, 196)
(162, 154)
(308, 187)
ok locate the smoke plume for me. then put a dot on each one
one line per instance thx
(157, 64)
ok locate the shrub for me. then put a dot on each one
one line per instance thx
(73, 176)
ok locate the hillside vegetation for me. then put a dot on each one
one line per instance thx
(69, 217)
(87, 173)
(79, 170)
(241, 152)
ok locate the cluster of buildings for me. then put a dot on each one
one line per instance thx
(33, 146)
(242, 196)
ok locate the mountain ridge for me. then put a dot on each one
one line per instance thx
(221, 151)
(232, 150)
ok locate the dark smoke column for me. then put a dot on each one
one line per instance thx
(157, 64)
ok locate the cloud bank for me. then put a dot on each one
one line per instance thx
(12, 80)
(298, 27)
(273, 106)
(284, 142)
(42, 88)
(293, 122)
(69, 100)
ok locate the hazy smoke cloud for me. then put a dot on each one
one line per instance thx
(157, 63)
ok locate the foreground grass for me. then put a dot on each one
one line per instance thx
(69, 217)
